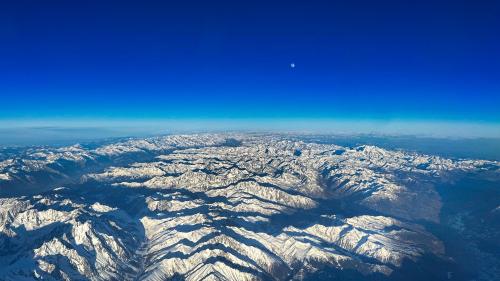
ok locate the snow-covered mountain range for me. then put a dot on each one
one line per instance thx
(219, 207)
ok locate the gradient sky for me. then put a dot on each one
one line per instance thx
(360, 60)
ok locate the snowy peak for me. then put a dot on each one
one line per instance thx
(219, 207)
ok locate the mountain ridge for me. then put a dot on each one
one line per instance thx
(220, 207)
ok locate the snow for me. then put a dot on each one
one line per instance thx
(188, 205)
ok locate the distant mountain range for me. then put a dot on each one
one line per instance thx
(229, 207)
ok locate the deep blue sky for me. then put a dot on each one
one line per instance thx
(419, 60)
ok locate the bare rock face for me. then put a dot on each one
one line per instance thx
(218, 207)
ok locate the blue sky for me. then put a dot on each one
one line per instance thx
(355, 60)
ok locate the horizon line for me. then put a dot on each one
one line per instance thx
(428, 128)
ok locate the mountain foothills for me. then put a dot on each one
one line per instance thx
(226, 207)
